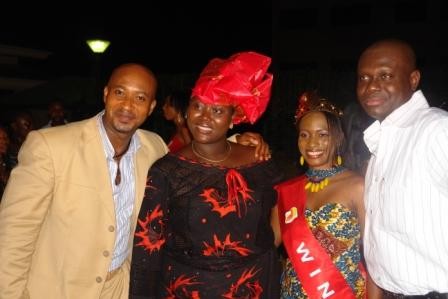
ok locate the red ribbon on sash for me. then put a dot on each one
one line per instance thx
(316, 271)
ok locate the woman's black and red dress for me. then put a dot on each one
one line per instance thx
(204, 231)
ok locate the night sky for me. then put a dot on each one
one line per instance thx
(169, 37)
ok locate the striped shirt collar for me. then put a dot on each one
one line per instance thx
(402, 117)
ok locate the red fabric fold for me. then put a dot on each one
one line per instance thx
(241, 81)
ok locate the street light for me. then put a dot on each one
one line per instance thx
(98, 45)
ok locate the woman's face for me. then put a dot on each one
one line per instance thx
(168, 110)
(208, 122)
(314, 141)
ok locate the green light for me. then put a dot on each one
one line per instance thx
(98, 45)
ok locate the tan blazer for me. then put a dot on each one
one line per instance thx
(57, 219)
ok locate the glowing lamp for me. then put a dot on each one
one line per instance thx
(98, 45)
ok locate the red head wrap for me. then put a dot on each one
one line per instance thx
(241, 81)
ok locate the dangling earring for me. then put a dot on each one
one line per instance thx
(301, 161)
(338, 156)
(179, 119)
(231, 126)
(339, 160)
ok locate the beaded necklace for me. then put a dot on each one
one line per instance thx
(318, 178)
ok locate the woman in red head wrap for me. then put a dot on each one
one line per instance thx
(206, 211)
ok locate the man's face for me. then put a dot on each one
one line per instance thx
(386, 80)
(56, 112)
(129, 99)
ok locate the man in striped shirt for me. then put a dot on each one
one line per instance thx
(406, 190)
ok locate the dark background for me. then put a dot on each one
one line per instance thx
(171, 36)
(313, 44)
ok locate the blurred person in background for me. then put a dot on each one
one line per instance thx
(21, 124)
(56, 115)
(174, 109)
(5, 166)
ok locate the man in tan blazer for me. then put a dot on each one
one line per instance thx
(69, 210)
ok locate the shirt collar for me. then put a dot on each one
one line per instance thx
(402, 117)
(108, 148)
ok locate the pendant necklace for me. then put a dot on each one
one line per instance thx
(197, 154)
(318, 178)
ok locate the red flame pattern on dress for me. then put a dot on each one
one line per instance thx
(219, 247)
(237, 195)
(150, 239)
(179, 287)
(253, 288)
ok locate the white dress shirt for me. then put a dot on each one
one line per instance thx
(406, 199)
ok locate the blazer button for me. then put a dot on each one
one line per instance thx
(98, 279)
(111, 228)
(105, 253)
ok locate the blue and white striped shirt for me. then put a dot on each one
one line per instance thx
(123, 194)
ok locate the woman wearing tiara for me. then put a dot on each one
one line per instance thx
(206, 210)
(321, 213)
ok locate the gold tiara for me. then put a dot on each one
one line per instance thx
(310, 101)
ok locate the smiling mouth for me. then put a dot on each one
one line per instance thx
(125, 118)
(204, 129)
(373, 101)
(314, 154)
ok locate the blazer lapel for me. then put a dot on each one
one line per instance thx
(141, 173)
(95, 164)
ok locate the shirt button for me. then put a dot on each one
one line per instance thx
(111, 228)
(98, 279)
(105, 253)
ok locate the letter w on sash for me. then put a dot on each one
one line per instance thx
(306, 257)
(304, 253)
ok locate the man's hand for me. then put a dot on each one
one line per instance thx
(262, 151)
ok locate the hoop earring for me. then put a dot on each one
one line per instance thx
(301, 161)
